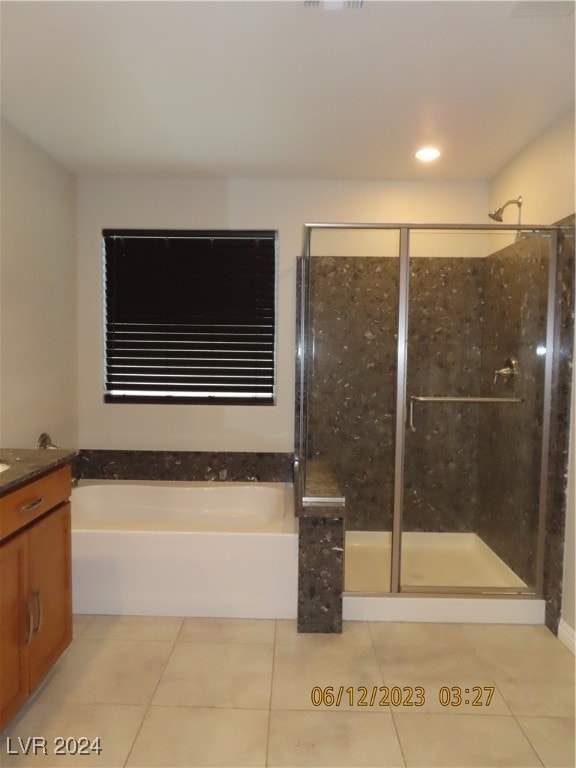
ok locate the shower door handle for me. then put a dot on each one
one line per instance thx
(411, 417)
(505, 373)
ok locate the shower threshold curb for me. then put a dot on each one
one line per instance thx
(440, 610)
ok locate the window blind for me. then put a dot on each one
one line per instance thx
(190, 316)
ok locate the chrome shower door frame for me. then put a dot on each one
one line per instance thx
(304, 347)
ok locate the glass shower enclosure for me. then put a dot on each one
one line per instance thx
(424, 385)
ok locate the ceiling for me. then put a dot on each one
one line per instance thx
(284, 90)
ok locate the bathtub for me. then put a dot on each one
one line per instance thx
(184, 549)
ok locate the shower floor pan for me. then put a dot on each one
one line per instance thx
(428, 560)
(441, 560)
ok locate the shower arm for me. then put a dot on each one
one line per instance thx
(497, 214)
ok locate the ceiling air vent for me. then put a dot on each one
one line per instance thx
(333, 5)
(534, 8)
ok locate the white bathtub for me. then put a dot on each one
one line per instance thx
(184, 549)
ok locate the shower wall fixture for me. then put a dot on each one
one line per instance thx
(497, 214)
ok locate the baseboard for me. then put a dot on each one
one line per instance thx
(472, 610)
(567, 636)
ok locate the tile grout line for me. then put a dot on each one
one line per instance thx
(266, 756)
(486, 665)
(84, 628)
(139, 729)
(529, 740)
(391, 709)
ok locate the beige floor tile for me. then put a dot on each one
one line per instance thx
(523, 645)
(552, 738)
(195, 736)
(354, 633)
(209, 677)
(333, 739)
(533, 683)
(155, 628)
(400, 642)
(85, 727)
(537, 697)
(531, 664)
(79, 623)
(235, 675)
(495, 638)
(299, 669)
(448, 668)
(108, 672)
(463, 741)
(533, 671)
(200, 630)
(427, 659)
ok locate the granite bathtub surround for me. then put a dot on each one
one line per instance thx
(320, 568)
(183, 465)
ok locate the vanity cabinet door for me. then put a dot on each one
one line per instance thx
(49, 591)
(15, 626)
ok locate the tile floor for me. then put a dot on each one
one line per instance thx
(233, 692)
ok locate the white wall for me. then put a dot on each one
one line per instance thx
(543, 173)
(38, 382)
(179, 203)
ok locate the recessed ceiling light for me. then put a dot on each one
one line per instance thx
(426, 154)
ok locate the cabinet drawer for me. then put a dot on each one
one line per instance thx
(20, 507)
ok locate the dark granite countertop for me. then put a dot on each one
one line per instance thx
(26, 464)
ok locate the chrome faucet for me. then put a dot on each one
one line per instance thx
(45, 442)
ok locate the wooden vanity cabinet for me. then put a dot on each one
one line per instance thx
(35, 586)
(14, 676)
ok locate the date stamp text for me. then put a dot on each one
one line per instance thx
(400, 696)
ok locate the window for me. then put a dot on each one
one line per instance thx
(189, 316)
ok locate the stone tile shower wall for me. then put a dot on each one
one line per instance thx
(352, 386)
(444, 360)
(516, 293)
(352, 389)
(468, 467)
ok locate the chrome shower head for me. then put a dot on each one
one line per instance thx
(497, 214)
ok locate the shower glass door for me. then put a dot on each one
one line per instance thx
(476, 354)
(351, 351)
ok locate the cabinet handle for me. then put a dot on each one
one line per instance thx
(32, 505)
(30, 622)
(40, 613)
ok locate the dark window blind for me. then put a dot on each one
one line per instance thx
(190, 316)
